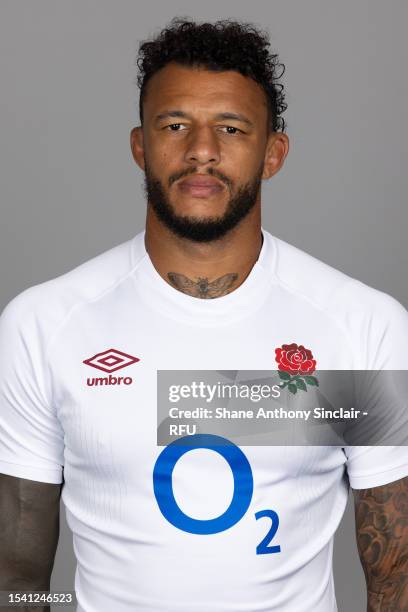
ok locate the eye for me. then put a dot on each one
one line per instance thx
(231, 129)
(174, 127)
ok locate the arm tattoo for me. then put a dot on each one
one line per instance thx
(29, 532)
(202, 287)
(382, 539)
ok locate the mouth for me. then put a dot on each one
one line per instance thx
(200, 186)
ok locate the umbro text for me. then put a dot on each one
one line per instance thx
(109, 380)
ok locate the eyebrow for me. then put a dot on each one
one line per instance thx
(220, 116)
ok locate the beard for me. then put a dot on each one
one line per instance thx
(195, 228)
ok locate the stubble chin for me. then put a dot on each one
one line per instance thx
(198, 227)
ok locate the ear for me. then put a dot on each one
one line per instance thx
(277, 149)
(137, 147)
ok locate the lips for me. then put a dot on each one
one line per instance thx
(200, 185)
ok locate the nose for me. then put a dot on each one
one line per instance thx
(202, 147)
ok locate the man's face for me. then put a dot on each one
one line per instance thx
(202, 147)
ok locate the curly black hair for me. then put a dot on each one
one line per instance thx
(218, 46)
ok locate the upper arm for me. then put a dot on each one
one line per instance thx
(29, 531)
(31, 435)
(31, 452)
(378, 475)
(382, 539)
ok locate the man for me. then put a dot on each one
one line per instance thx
(205, 287)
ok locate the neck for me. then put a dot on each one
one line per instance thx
(204, 270)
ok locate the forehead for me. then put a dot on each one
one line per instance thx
(201, 89)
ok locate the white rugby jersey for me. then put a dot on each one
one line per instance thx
(79, 356)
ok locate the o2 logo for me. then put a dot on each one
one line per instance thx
(243, 489)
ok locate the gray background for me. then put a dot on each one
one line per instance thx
(70, 190)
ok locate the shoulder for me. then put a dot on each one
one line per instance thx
(370, 317)
(44, 306)
(310, 278)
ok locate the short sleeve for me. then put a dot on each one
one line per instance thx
(31, 436)
(386, 345)
(374, 466)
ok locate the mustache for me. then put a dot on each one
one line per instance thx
(211, 172)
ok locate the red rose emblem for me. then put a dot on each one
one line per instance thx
(295, 359)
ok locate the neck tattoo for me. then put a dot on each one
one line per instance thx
(202, 287)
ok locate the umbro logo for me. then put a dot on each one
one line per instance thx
(110, 361)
